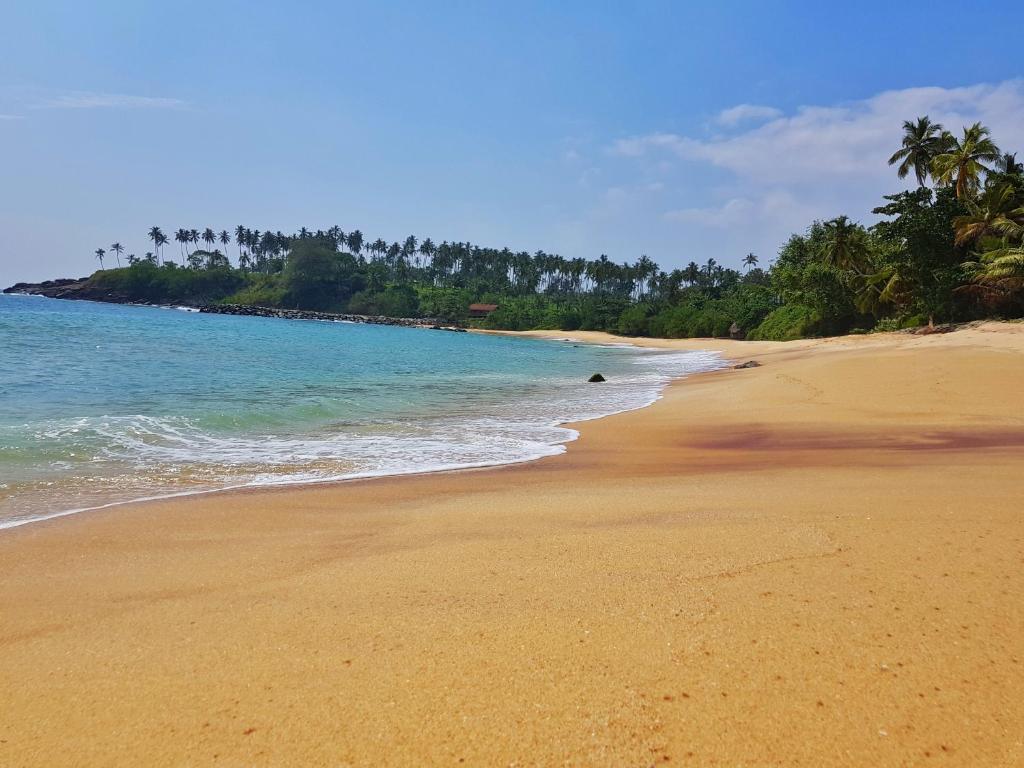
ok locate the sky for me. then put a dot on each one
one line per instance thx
(679, 130)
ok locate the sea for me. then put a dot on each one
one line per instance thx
(102, 404)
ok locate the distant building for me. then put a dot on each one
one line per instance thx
(481, 310)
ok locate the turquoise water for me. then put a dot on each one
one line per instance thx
(102, 403)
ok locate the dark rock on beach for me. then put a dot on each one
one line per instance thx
(596, 378)
(748, 364)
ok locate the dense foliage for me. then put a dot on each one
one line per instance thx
(950, 251)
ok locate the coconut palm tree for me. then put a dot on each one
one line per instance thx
(750, 260)
(963, 161)
(997, 212)
(224, 238)
(99, 255)
(239, 239)
(1007, 164)
(999, 270)
(692, 273)
(846, 245)
(157, 236)
(209, 237)
(181, 237)
(355, 242)
(923, 141)
(118, 249)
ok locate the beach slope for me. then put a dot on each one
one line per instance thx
(815, 562)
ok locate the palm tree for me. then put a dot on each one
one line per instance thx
(750, 260)
(886, 287)
(99, 255)
(224, 238)
(846, 245)
(1008, 165)
(181, 236)
(193, 237)
(209, 237)
(158, 238)
(923, 141)
(963, 161)
(692, 273)
(117, 248)
(996, 212)
(239, 239)
(355, 241)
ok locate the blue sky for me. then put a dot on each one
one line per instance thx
(677, 130)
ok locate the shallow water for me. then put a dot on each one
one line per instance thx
(103, 403)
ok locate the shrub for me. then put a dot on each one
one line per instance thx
(788, 322)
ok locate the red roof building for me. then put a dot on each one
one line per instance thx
(481, 310)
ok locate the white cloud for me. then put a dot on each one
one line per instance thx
(854, 139)
(818, 162)
(638, 146)
(87, 100)
(743, 113)
(12, 117)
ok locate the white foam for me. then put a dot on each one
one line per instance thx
(169, 451)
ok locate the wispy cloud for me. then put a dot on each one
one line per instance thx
(12, 117)
(637, 146)
(90, 100)
(745, 113)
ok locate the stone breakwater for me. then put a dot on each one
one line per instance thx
(306, 314)
(83, 290)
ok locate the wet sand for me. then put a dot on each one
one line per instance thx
(817, 562)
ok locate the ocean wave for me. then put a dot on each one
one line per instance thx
(88, 462)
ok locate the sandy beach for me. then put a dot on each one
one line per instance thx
(816, 562)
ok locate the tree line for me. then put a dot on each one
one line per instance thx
(949, 249)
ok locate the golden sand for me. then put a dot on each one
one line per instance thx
(818, 562)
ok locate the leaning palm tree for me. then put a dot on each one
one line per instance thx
(99, 255)
(996, 227)
(997, 211)
(117, 248)
(923, 141)
(964, 160)
(999, 271)
(882, 288)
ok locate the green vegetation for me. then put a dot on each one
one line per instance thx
(951, 250)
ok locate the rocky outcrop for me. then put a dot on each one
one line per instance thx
(82, 289)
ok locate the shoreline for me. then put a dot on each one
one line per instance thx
(821, 554)
(568, 425)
